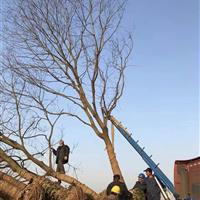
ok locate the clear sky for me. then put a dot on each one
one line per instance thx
(161, 99)
(160, 105)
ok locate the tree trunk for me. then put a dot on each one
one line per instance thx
(9, 187)
(112, 157)
(10, 180)
(8, 191)
(40, 189)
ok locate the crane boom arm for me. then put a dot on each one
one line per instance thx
(158, 173)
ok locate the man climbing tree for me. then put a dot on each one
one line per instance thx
(62, 157)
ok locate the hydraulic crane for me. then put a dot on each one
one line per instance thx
(159, 175)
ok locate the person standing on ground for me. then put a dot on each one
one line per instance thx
(152, 188)
(62, 156)
(117, 189)
(139, 189)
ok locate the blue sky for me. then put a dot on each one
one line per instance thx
(160, 105)
(161, 102)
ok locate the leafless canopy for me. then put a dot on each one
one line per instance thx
(70, 50)
(61, 57)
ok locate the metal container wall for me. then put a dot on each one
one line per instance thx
(187, 177)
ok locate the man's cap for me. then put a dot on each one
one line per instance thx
(141, 175)
(115, 189)
(148, 170)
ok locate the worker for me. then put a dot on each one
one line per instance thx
(114, 193)
(117, 189)
(152, 188)
(139, 189)
(62, 157)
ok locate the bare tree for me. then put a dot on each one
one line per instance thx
(70, 51)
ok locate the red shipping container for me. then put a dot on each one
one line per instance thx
(187, 177)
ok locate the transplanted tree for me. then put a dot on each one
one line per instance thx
(69, 51)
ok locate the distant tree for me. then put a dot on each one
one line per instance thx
(63, 57)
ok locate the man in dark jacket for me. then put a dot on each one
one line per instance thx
(153, 190)
(62, 156)
(141, 183)
(140, 187)
(122, 193)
